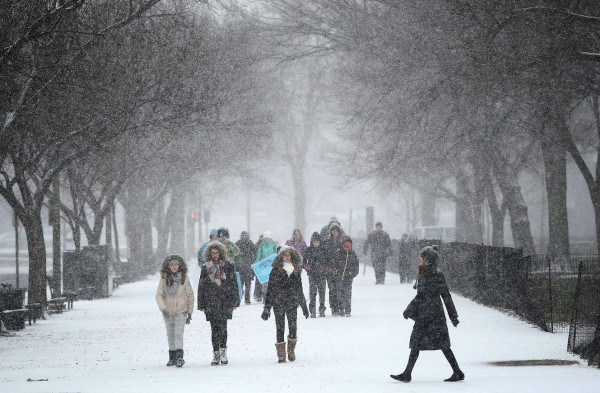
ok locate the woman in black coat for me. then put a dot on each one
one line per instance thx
(315, 257)
(430, 331)
(217, 297)
(284, 295)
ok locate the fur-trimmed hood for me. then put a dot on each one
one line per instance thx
(296, 258)
(218, 245)
(165, 271)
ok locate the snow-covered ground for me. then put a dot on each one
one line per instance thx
(119, 345)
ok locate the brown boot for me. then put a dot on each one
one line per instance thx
(280, 347)
(291, 348)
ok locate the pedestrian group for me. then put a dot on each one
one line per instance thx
(328, 259)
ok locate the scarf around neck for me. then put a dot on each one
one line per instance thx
(288, 267)
(172, 289)
(216, 271)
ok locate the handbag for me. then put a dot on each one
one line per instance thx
(412, 310)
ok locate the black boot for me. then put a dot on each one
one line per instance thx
(404, 377)
(456, 376)
(179, 362)
(171, 358)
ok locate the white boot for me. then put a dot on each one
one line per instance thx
(216, 358)
(224, 356)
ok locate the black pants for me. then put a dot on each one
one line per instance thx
(258, 295)
(292, 318)
(379, 261)
(218, 329)
(317, 284)
(333, 284)
(346, 295)
(246, 280)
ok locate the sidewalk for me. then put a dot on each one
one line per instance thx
(119, 345)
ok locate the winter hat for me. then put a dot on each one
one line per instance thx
(429, 254)
(267, 235)
(378, 224)
(223, 231)
(315, 236)
(335, 225)
(214, 232)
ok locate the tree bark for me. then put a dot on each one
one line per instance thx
(427, 209)
(34, 230)
(463, 217)
(515, 203)
(555, 163)
(299, 199)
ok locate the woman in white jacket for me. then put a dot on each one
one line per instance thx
(175, 299)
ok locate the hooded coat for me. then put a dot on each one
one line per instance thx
(430, 331)
(315, 258)
(218, 301)
(246, 256)
(286, 291)
(183, 299)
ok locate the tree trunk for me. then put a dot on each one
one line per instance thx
(463, 217)
(555, 164)
(427, 209)
(299, 198)
(36, 247)
(515, 203)
(177, 245)
(117, 250)
(108, 226)
(56, 249)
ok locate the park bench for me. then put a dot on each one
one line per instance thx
(117, 280)
(35, 312)
(15, 319)
(12, 313)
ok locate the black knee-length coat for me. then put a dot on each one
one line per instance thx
(430, 331)
(218, 301)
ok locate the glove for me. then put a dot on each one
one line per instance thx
(405, 315)
(455, 321)
(188, 318)
(306, 267)
(305, 312)
(164, 313)
(266, 314)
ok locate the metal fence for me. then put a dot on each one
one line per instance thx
(584, 328)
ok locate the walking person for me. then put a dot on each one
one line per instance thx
(175, 299)
(315, 258)
(218, 297)
(266, 248)
(243, 261)
(430, 331)
(381, 247)
(211, 237)
(297, 242)
(284, 295)
(346, 274)
(336, 257)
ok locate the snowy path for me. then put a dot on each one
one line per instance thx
(119, 345)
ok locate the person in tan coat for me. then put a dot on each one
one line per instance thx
(175, 299)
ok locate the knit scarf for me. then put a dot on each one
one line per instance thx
(216, 271)
(172, 289)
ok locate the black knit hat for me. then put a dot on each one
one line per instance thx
(315, 236)
(429, 254)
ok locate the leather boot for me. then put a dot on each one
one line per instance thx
(456, 376)
(404, 377)
(216, 358)
(179, 362)
(280, 347)
(291, 347)
(171, 359)
(224, 359)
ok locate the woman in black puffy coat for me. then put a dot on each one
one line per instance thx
(284, 295)
(217, 297)
(430, 331)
